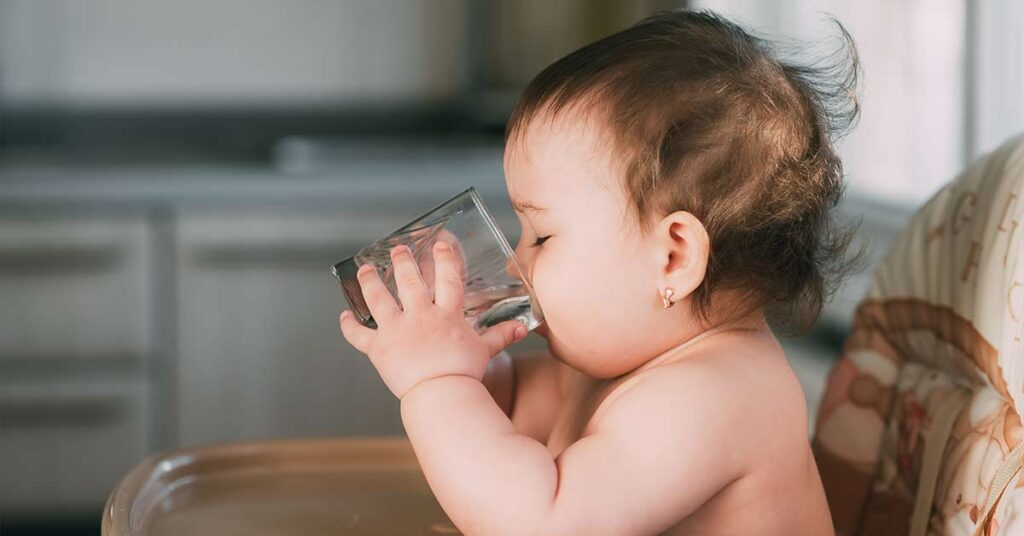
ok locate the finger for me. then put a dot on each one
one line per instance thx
(501, 336)
(448, 285)
(380, 302)
(460, 260)
(355, 333)
(411, 289)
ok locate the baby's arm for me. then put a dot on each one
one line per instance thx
(661, 450)
(499, 379)
(528, 388)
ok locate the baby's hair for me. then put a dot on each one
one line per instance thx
(712, 122)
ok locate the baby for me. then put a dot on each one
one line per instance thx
(674, 183)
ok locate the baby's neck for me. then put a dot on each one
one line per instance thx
(695, 336)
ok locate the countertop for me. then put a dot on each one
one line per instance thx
(354, 173)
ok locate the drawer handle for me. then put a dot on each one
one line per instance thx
(60, 260)
(50, 413)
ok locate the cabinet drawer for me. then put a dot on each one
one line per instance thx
(260, 353)
(74, 286)
(63, 446)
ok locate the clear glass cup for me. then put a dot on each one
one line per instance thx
(496, 289)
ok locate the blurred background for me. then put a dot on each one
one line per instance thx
(176, 179)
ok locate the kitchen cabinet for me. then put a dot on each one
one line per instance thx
(66, 442)
(77, 339)
(142, 310)
(260, 352)
(75, 286)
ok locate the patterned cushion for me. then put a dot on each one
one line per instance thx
(944, 318)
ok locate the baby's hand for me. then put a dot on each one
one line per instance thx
(423, 340)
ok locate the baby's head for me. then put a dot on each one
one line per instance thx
(678, 154)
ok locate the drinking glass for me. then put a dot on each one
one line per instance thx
(495, 288)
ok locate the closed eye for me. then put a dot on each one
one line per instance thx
(540, 240)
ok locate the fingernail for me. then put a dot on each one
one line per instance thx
(520, 332)
(444, 246)
(365, 268)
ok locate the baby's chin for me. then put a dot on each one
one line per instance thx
(554, 347)
(542, 331)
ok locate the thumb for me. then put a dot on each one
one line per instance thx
(501, 336)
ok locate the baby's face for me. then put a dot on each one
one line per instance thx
(596, 278)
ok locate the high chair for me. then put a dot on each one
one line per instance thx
(919, 430)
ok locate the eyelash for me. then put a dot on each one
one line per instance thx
(540, 240)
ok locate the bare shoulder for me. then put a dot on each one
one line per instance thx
(706, 427)
(732, 388)
(722, 430)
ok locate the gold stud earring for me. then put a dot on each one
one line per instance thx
(666, 299)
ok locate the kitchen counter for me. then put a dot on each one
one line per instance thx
(356, 174)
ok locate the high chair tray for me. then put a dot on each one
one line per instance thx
(310, 487)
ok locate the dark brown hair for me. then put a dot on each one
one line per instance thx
(711, 121)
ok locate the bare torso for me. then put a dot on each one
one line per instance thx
(780, 494)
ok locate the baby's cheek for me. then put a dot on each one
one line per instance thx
(558, 295)
(572, 302)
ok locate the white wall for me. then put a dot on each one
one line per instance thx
(997, 71)
(229, 52)
(911, 135)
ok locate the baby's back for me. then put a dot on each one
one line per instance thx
(761, 435)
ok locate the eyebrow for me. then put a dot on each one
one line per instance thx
(523, 206)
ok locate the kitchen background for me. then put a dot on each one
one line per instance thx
(176, 179)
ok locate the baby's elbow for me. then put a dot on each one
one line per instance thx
(565, 522)
(542, 522)
(520, 526)
(574, 528)
(528, 520)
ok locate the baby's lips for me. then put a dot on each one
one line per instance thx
(512, 270)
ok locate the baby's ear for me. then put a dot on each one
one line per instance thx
(682, 249)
